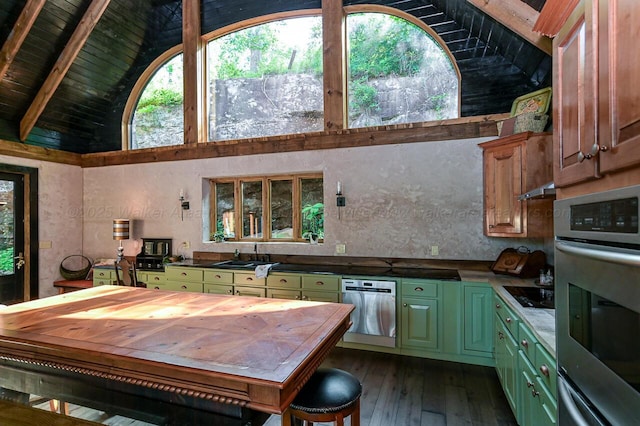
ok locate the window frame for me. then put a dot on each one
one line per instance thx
(203, 134)
(296, 181)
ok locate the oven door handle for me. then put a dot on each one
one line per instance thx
(599, 254)
(571, 405)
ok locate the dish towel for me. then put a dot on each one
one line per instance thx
(263, 270)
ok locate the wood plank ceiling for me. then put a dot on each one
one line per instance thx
(67, 66)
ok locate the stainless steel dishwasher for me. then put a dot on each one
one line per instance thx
(374, 317)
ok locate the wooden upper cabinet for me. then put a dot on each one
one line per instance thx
(596, 97)
(575, 98)
(619, 69)
(514, 165)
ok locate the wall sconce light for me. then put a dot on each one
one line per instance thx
(120, 232)
(184, 205)
(340, 201)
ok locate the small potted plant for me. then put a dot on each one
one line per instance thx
(218, 236)
(313, 222)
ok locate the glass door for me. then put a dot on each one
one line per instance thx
(12, 254)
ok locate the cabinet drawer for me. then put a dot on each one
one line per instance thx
(184, 286)
(184, 274)
(320, 296)
(527, 342)
(250, 291)
(218, 288)
(505, 313)
(248, 278)
(321, 282)
(546, 369)
(103, 274)
(283, 281)
(283, 293)
(419, 288)
(154, 277)
(163, 285)
(225, 277)
(97, 282)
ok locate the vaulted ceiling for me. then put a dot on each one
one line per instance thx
(79, 109)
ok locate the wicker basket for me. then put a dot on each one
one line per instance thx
(75, 274)
(531, 122)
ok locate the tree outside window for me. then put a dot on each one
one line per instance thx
(397, 73)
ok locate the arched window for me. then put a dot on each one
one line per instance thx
(397, 73)
(266, 79)
(158, 116)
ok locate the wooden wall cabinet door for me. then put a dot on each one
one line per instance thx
(619, 65)
(514, 165)
(575, 99)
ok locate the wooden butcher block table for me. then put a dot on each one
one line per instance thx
(122, 348)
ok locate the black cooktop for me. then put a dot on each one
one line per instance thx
(532, 297)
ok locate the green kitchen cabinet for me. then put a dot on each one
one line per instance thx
(527, 371)
(180, 278)
(477, 319)
(506, 357)
(420, 320)
(103, 276)
(320, 288)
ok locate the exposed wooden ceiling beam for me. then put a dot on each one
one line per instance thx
(553, 15)
(69, 53)
(517, 16)
(19, 32)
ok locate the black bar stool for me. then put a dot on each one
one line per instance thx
(330, 395)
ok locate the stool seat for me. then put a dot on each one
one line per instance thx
(329, 395)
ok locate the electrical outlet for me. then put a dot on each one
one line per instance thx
(45, 244)
(186, 244)
(435, 251)
(341, 248)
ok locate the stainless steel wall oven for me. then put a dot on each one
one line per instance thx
(597, 254)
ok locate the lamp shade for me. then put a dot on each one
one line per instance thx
(120, 229)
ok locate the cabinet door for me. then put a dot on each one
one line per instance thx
(283, 293)
(478, 320)
(506, 362)
(420, 323)
(503, 184)
(574, 98)
(250, 291)
(218, 289)
(619, 63)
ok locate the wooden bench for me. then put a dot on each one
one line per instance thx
(65, 286)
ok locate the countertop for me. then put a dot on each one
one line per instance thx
(540, 321)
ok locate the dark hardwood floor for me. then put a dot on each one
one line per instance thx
(409, 391)
(401, 391)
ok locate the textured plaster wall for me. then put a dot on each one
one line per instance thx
(400, 200)
(59, 205)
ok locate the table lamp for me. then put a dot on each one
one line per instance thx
(120, 232)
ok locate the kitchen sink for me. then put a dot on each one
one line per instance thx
(241, 263)
(532, 297)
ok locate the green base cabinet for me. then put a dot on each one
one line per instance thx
(420, 323)
(478, 320)
(525, 368)
(420, 320)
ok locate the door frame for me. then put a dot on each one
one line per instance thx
(31, 267)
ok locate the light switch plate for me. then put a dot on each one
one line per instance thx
(435, 251)
(341, 248)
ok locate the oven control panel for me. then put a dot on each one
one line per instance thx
(619, 215)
